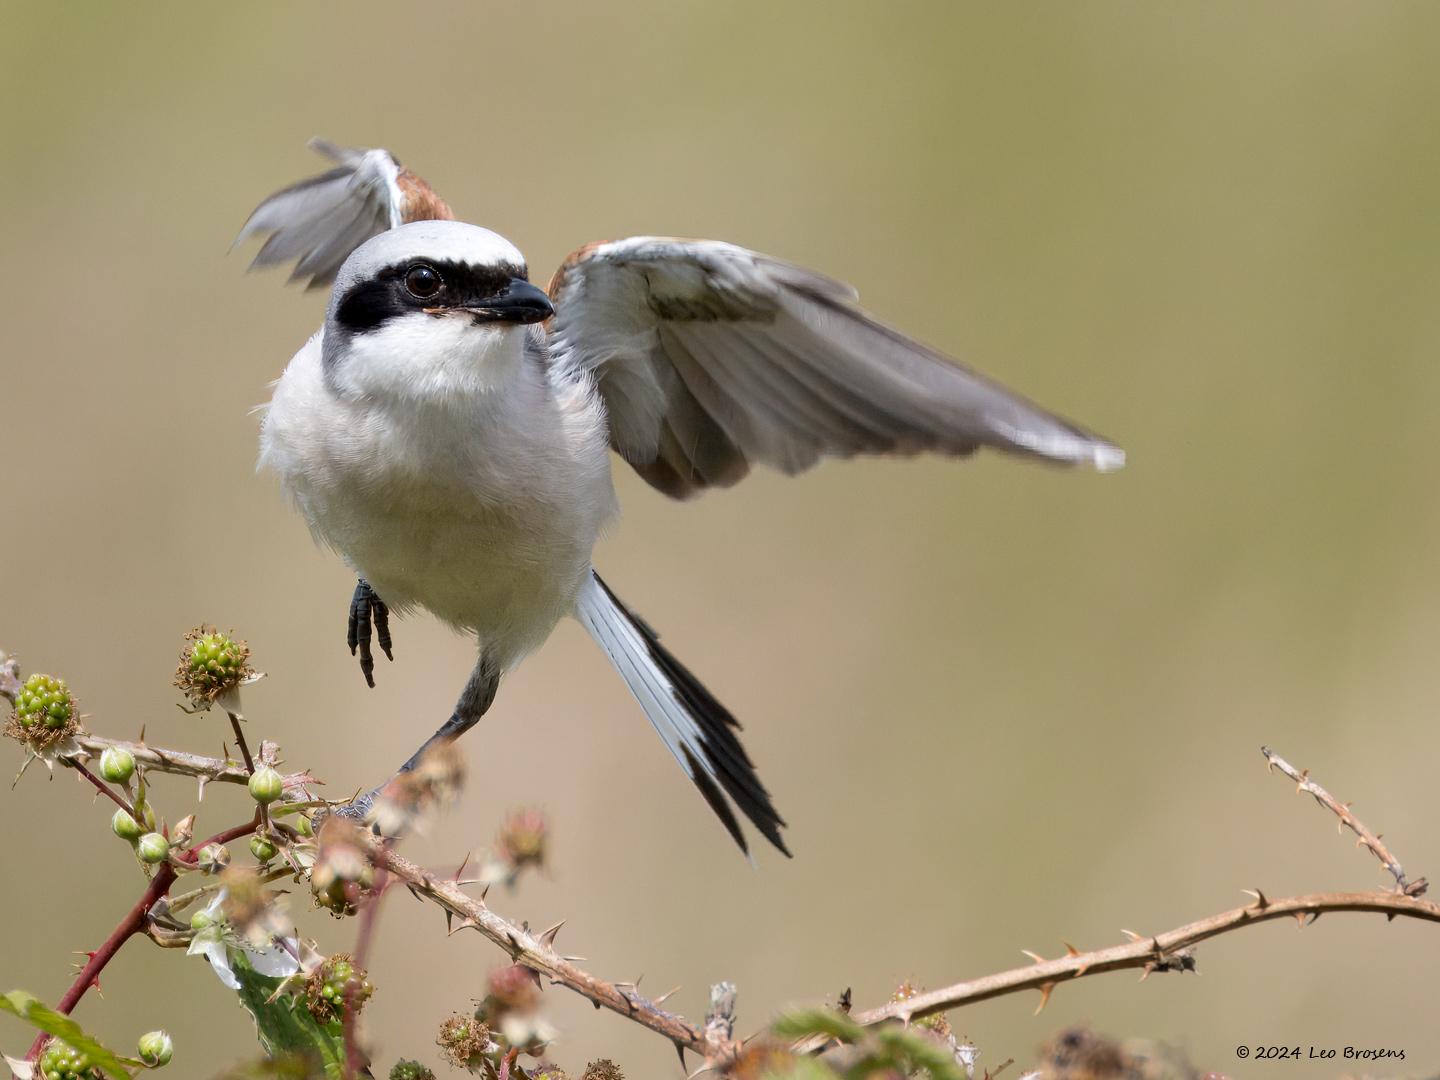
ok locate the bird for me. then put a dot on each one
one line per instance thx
(450, 429)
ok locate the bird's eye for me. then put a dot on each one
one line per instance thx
(423, 282)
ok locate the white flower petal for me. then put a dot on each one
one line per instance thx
(275, 961)
(219, 958)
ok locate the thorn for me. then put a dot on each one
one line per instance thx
(1036, 957)
(1045, 990)
(575, 959)
(1260, 901)
(1131, 934)
(662, 998)
(461, 869)
(449, 923)
(680, 1049)
(548, 937)
(484, 893)
(1070, 950)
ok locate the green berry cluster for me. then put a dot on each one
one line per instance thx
(332, 983)
(46, 701)
(411, 1070)
(61, 1061)
(210, 664)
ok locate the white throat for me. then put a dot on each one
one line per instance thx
(425, 359)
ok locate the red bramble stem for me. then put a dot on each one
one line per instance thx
(132, 924)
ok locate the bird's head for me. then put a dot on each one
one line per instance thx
(432, 309)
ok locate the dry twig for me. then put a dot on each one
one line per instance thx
(1364, 837)
(1169, 951)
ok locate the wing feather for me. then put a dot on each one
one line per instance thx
(711, 358)
(318, 222)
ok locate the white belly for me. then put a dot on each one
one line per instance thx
(484, 514)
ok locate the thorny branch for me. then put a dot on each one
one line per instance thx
(180, 763)
(538, 953)
(1163, 952)
(1364, 837)
(1168, 951)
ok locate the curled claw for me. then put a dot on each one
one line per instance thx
(368, 612)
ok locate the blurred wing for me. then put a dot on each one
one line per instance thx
(710, 358)
(318, 222)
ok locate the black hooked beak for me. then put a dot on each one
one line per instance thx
(518, 302)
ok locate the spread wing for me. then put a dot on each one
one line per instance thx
(710, 358)
(318, 222)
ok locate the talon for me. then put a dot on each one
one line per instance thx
(368, 612)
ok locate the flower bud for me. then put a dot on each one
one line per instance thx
(117, 765)
(126, 827)
(153, 848)
(156, 1048)
(262, 848)
(266, 785)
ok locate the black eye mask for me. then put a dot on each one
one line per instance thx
(368, 304)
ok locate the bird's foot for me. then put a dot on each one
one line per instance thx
(368, 611)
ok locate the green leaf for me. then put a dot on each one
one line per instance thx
(918, 1050)
(33, 1011)
(285, 1026)
(806, 1022)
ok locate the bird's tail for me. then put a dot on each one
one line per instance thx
(699, 731)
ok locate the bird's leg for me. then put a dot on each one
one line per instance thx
(475, 701)
(367, 609)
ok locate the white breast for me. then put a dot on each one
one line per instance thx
(482, 508)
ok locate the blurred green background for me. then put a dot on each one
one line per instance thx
(1001, 706)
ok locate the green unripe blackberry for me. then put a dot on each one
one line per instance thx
(332, 984)
(211, 664)
(117, 764)
(156, 1048)
(411, 1070)
(262, 848)
(44, 701)
(61, 1061)
(266, 785)
(153, 848)
(202, 919)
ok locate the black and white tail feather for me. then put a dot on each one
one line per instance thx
(696, 728)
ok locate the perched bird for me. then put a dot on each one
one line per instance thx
(449, 428)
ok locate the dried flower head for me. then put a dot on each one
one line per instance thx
(548, 1071)
(45, 714)
(513, 989)
(603, 1069)
(342, 870)
(464, 1042)
(333, 984)
(935, 1023)
(252, 911)
(523, 839)
(413, 796)
(212, 664)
